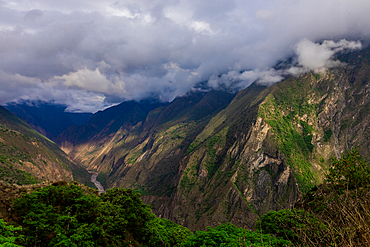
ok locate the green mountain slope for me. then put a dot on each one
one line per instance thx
(212, 158)
(28, 157)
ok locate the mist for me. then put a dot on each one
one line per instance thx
(93, 54)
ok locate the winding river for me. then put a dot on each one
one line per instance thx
(97, 183)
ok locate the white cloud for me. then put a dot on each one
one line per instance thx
(164, 47)
(91, 80)
(201, 27)
(242, 80)
(318, 57)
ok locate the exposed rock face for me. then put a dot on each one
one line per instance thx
(204, 161)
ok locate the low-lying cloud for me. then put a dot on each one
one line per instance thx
(92, 54)
(309, 56)
(318, 57)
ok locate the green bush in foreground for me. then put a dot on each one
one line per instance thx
(65, 215)
(351, 171)
(230, 235)
(335, 213)
(9, 234)
(291, 224)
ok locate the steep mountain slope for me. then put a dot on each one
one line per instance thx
(202, 161)
(281, 147)
(48, 119)
(28, 157)
(78, 141)
(107, 149)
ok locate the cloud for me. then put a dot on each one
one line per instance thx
(90, 80)
(103, 52)
(318, 57)
(237, 80)
(16, 88)
(315, 56)
(310, 56)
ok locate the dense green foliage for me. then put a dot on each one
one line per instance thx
(351, 170)
(290, 224)
(335, 213)
(66, 215)
(327, 135)
(287, 110)
(63, 215)
(9, 235)
(230, 235)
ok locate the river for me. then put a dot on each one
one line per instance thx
(97, 183)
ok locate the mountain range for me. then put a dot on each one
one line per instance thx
(48, 119)
(213, 156)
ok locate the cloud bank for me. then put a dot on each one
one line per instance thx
(92, 54)
(318, 57)
(310, 56)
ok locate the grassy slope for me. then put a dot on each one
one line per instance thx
(291, 112)
(10, 121)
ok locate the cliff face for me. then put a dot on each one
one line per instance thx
(204, 161)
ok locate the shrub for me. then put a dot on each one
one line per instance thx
(54, 213)
(9, 235)
(65, 215)
(291, 224)
(167, 233)
(230, 235)
(350, 171)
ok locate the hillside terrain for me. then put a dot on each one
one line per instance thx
(62, 214)
(27, 157)
(335, 213)
(211, 157)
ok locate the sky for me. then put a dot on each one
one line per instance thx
(91, 54)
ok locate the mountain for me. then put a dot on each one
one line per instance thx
(48, 119)
(27, 157)
(213, 157)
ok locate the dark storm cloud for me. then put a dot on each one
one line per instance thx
(90, 54)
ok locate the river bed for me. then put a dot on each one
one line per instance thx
(97, 183)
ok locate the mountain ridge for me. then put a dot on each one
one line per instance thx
(24, 149)
(213, 157)
(48, 119)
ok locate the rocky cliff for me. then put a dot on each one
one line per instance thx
(203, 160)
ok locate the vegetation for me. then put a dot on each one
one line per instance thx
(283, 110)
(335, 213)
(19, 154)
(230, 235)
(328, 134)
(65, 214)
(9, 234)
(350, 171)
(10, 174)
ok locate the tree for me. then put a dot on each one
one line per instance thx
(9, 235)
(350, 171)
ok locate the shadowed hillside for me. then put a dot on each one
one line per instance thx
(48, 119)
(28, 157)
(209, 157)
